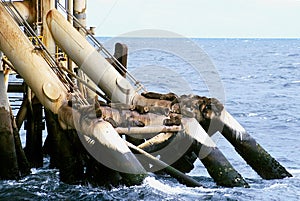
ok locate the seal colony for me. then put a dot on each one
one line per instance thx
(111, 136)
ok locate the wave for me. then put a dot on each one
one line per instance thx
(296, 82)
(294, 171)
(167, 188)
(287, 67)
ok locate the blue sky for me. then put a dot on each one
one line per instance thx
(198, 18)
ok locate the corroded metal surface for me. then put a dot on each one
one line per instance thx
(89, 60)
(28, 61)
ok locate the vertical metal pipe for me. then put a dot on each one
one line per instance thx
(47, 37)
(79, 12)
(70, 7)
(1, 55)
(121, 52)
(3, 94)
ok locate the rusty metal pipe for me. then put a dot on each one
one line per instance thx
(250, 150)
(30, 64)
(52, 94)
(27, 10)
(89, 60)
(79, 12)
(110, 148)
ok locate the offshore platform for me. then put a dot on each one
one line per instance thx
(103, 126)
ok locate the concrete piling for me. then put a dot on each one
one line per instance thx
(64, 149)
(8, 157)
(34, 130)
(52, 140)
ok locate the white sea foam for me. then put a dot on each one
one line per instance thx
(178, 190)
(33, 170)
(274, 186)
(294, 171)
(252, 114)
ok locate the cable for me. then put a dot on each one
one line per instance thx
(108, 14)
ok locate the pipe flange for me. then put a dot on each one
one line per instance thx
(51, 91)
(123, 85)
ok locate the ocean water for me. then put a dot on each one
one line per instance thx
(258, 80)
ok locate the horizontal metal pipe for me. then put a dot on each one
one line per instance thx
(147, 131)
(157, 142)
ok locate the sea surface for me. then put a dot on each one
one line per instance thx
(258, 80)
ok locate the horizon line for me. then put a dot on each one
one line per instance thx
(294, 38)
